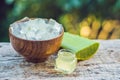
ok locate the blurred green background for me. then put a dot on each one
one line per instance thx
(94, 19)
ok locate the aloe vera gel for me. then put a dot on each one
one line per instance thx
(65, 62)
(36, 29)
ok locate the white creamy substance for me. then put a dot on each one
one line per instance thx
(36, 29)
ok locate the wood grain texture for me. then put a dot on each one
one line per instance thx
(105, 65)
(36, 51)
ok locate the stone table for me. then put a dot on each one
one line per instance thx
(105, 65)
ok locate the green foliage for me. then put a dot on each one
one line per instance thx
(12, 10)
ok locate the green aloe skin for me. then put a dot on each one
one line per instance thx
(82, 47)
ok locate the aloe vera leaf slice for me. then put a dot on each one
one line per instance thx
(83, 48)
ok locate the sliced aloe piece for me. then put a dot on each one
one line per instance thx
(82, 47)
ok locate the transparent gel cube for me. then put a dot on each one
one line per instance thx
(65, 62)
(36, 29)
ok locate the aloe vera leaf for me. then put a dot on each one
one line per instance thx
(82, 47)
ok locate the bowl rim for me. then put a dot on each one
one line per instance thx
(61, 33)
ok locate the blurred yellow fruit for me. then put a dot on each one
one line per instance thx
(103, 35)
(85, 31)
(84, 23)
(96, 25)
(93, 34)
(108, 26)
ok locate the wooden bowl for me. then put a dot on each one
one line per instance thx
(35, 51)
